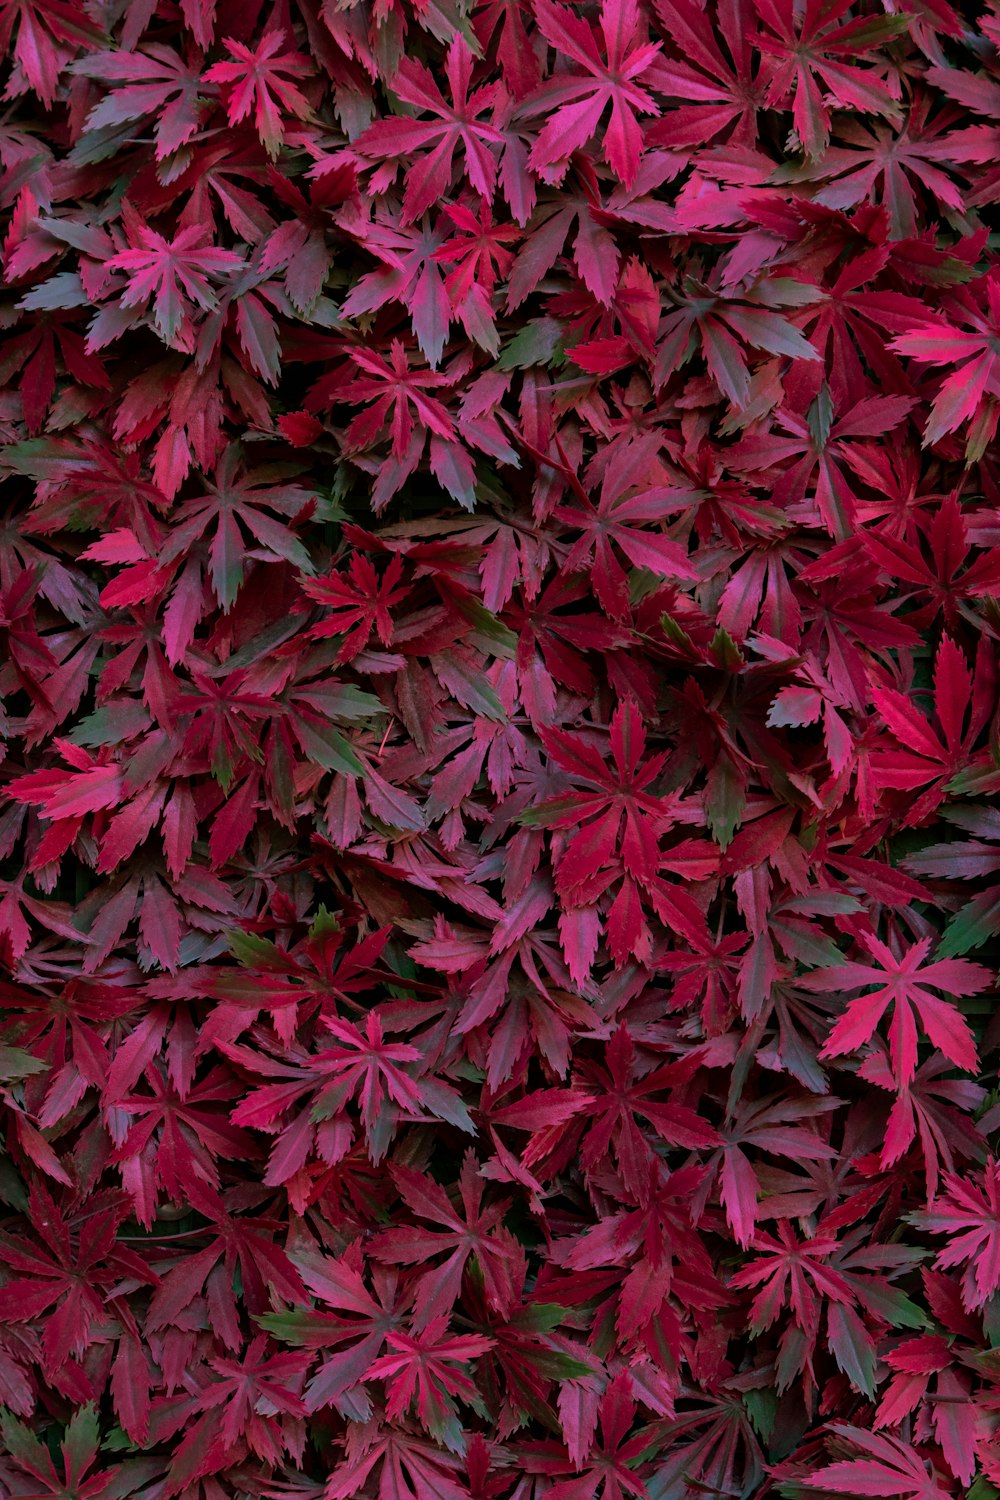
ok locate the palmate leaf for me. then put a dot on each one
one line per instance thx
(977, 920)
(259, 80)
(170, 277)
(154, 82)
(452, 125)
(890, 1467)
(904, 982)
(239, 503)
(581, 98)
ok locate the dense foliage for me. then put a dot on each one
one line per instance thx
(499, 849)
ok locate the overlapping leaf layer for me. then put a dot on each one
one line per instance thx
(499, 839)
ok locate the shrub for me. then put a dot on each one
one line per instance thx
(498, 706)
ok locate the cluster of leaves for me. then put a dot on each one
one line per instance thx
(499, 859)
